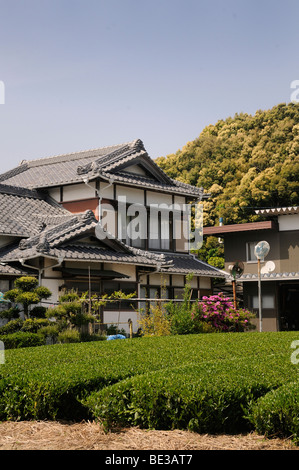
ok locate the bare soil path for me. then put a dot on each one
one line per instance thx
(48, 435)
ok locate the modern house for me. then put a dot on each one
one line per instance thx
(100, 221)
(279, 271)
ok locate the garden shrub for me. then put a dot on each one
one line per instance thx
(32, 325)
(156, 322)
(27, 292)
(69, 313)
(69, 296)
(277, 413)
(184, 316)
(10, 313)
(38, 312)
(11, 327)
(21, 339)
(219, 312)
(85, 337)
(51, 332)
(114, 330)
(69, 336)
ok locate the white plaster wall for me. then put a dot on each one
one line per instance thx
(53, 285)
(132, 195)
(136, 169)
(113, 317)
(106, 190)
(288, 222)
(205, 283)
(55, 193)
(159, 279)
(79, 191)
(178, 281)
(158, 198)
(128, 270)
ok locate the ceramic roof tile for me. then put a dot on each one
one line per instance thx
(71, 168)
(189, 264)
(23, 212)
(56, 170)
(7, 270)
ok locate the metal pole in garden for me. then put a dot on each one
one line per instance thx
(260, 250)
(259, 293)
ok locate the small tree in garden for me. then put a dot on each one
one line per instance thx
(183, 314)
(156, 321)
(27, 292)
(74, 311)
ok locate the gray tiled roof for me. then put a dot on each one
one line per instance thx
(189, 264)
(54, 170)
(7, 270)
(65, 241)
(60, 241)
(105, 162)
(24, 212)
(46, 229)
(173, 264)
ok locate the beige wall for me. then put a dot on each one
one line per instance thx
(133, 195)
(284, 249)
(289, 251)
(270, 314)
(235, 249)
(127, 269)
(74, 192)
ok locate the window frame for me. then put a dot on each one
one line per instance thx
(248, 260)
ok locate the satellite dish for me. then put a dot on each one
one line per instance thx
(236, 269)
(261, 250)
(268, 268)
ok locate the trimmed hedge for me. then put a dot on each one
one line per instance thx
(206, 398)
(21, 339)
(277, 413)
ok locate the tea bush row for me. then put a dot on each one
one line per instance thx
(277, 412)
(51, 382)
(211, 397)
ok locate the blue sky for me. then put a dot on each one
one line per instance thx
(83, 74)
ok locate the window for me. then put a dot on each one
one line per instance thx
(268, 301)
(153, 293)
(109, 287)
(160, 228)
(250, 256)
(132, 226)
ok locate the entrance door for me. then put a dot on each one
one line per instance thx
(289, 306)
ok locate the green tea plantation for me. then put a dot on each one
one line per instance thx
(211, 383)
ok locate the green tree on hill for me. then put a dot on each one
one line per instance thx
(245, 162)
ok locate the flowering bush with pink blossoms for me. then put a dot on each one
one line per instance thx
(218, 311)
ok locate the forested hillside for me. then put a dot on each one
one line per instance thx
(244, 162)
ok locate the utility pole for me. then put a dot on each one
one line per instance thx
(260, 250)
(260, 294)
